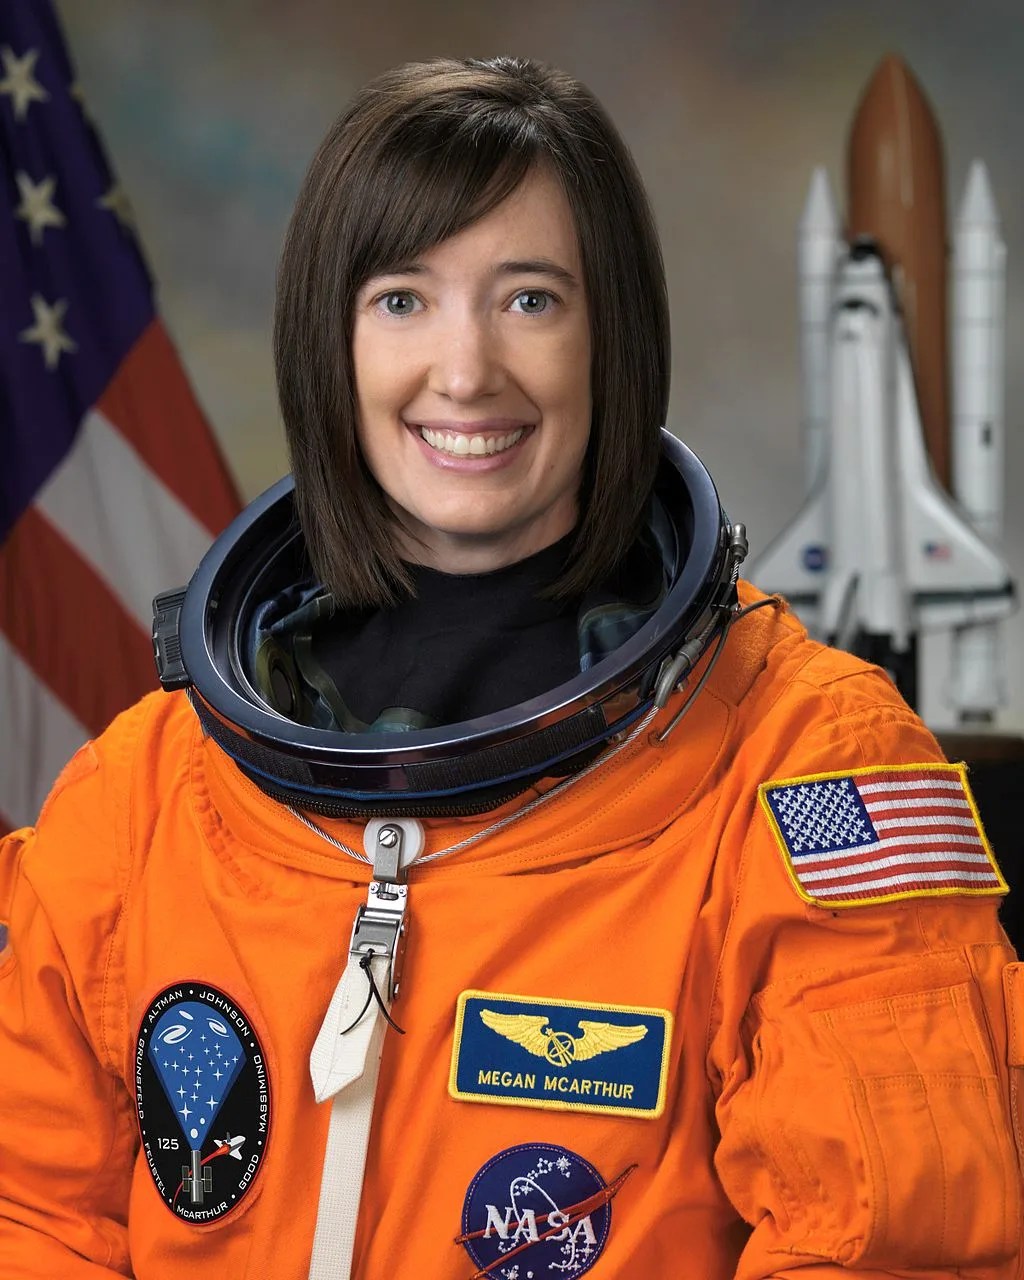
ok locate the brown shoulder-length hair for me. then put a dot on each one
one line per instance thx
(422, 152)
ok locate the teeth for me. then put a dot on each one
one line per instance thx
(461, 446)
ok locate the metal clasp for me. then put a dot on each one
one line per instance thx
(380, 924)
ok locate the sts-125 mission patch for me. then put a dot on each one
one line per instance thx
(203, 1099)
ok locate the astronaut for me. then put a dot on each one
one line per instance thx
(499, 887)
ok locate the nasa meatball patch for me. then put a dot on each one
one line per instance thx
(203, 1100)
(537, 1210)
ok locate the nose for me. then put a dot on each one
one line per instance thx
(467, 363)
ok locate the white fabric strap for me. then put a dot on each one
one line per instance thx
(345, 1067)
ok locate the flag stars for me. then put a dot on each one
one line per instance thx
(210, 1102)
(116, 202)
(181, 1092)
(185, 1111)
(37, 207)
(19, 82)
(47, 330)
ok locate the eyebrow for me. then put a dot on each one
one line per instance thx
(536, 267)
(511, 267)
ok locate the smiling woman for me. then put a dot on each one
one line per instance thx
(447, 197)
(495, 853)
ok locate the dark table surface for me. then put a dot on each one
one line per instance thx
(995, 765)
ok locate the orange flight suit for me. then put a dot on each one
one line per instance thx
(842, 1087)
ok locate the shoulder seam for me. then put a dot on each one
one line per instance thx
(124, 820)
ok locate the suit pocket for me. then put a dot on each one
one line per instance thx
(928, 1103)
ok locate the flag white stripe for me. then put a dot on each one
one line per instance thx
(912, 784)
(121, 518)
(879, 864)
(38, 737)
(922, 820)
(887, 842)
(927, 877)
(919, 803)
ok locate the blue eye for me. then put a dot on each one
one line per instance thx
(532, 302)
(400, 302)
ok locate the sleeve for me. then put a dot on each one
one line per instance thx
(67, 1138)
(869, 1057)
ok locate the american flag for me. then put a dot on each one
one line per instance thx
(111, 484)
(882, 834)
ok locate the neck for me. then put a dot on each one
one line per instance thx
(475, 553)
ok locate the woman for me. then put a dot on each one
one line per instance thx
(649, 973)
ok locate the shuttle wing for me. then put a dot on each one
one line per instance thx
(954, 576)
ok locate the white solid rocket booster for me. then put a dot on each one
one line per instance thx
(819, 247)
(978, 306)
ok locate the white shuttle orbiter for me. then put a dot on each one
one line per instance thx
(881, 551)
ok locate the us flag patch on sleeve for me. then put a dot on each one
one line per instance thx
(877, 835)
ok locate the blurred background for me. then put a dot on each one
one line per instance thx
(211, 112)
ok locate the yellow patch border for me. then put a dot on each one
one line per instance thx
(643, 1113)
(959, 769)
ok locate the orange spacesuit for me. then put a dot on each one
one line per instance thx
(641, 1038)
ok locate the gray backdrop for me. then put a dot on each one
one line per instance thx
(211, 113)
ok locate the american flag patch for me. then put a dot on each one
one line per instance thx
(877, 835)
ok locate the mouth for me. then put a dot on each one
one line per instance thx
(478, 445)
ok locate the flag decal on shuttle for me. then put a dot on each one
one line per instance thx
(877, 835)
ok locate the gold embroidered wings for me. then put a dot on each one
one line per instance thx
(533, 1032)
(600, 1037)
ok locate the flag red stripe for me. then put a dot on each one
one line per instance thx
(952, 865)
(153, 407)
(953, 882)
(931, 809)
(68, 626)
(905, 856)
(900, 778)
(946, 789)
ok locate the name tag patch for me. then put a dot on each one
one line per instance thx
(560, 1054)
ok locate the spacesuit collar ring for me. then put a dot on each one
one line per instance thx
(456, 769)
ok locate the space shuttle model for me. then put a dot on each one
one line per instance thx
(899, 531)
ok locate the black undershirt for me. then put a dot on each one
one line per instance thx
(464, 645)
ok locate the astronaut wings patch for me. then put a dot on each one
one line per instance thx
(877, 835)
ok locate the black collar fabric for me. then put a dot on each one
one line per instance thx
(461, 646)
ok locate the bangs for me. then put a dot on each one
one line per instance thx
(436, 176)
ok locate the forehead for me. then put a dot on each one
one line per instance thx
(534, 222)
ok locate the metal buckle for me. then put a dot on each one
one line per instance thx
(380, 924)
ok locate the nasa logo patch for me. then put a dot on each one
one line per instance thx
(535, 1209)
(203, 1099)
